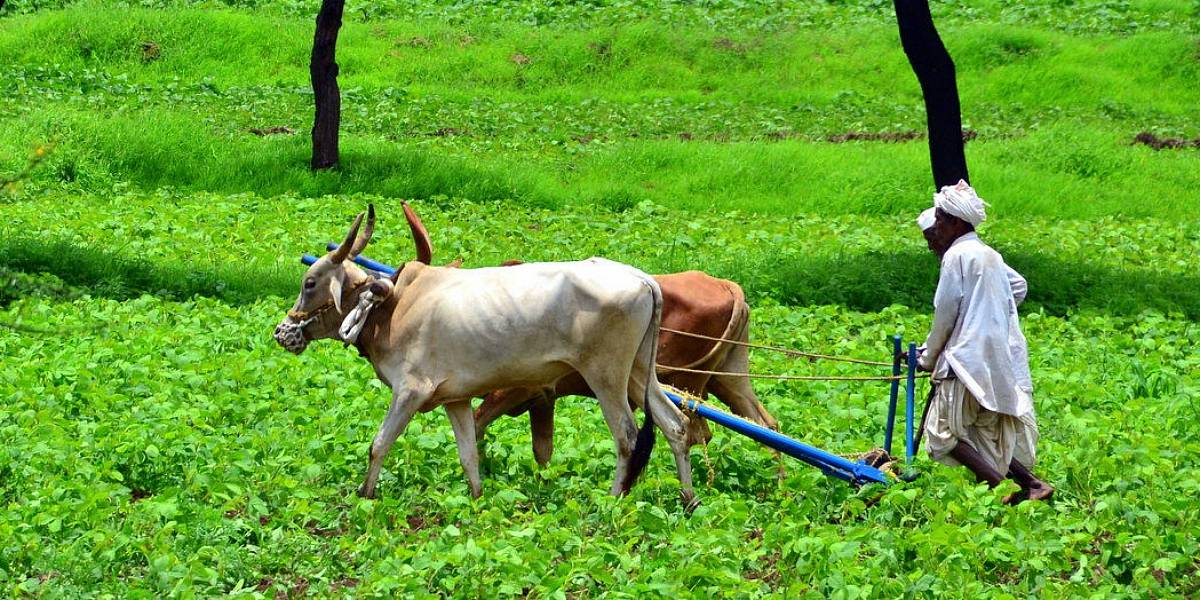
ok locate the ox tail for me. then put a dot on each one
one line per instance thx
(644, 444)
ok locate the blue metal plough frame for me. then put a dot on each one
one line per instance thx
(853, 472)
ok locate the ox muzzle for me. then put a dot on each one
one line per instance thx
(290, 335)
(290, 332)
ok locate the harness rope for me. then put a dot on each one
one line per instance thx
(794, 377)
(788, 351)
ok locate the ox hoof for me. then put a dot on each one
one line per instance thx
(690, 502)
(363, 492)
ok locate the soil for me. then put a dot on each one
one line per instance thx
(1149, 139)
(277, 130)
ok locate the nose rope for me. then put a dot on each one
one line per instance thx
(308, 316)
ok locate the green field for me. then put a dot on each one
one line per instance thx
(155, 441)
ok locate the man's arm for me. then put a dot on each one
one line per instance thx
(1018, 285)
(946, 302)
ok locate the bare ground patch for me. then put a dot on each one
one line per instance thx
(1146, 138)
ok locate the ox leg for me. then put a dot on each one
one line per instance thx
(463, 422)
(494, 404)
(498, 403)
(404, 405)
(614, 403)
(674, 425)
(541, 425)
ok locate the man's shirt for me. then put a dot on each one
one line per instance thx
(976, 334)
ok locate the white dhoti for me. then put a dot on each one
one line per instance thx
(955, 417)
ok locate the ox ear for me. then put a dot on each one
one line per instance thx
(335, 288)
(343, 251)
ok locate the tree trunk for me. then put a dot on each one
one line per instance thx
(323, 70)
(935, 71)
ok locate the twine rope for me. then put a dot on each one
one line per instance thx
(795, 377)
(788, 351)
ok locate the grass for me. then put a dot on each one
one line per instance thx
(125, 243)
(1063, 172)
(136, 464)
(155, 442)
(679, 116)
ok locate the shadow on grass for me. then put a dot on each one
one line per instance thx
(864, 282)
(75, 268)
(874, 280)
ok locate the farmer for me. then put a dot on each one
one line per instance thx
(980, 413)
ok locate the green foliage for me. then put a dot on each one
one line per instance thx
(154, 441)
(153, 448)
(124, 243)
(678, 115)
(1108, 16)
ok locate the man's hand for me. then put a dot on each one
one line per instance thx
(903, 355)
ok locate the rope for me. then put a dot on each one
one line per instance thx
(787, 351)
(712, 473)
(795, 377)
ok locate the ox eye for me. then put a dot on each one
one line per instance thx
(310, 284)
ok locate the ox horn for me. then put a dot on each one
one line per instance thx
(420, 235)
(343, 251)
(360, 242)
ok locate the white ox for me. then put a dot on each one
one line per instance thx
(442, 336)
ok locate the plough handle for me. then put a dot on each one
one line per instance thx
(890, 427)
(909, 403)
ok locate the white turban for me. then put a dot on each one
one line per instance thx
(961, 201)
(927, 218)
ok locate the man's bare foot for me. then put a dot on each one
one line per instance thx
(1040, 491)
(1016, 498)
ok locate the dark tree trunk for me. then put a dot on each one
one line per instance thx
(935, 71)
(323, 70)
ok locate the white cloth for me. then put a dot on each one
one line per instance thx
(353, 323)
(961, 201)
(956, 417)
(927, 218)
(976, 334)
